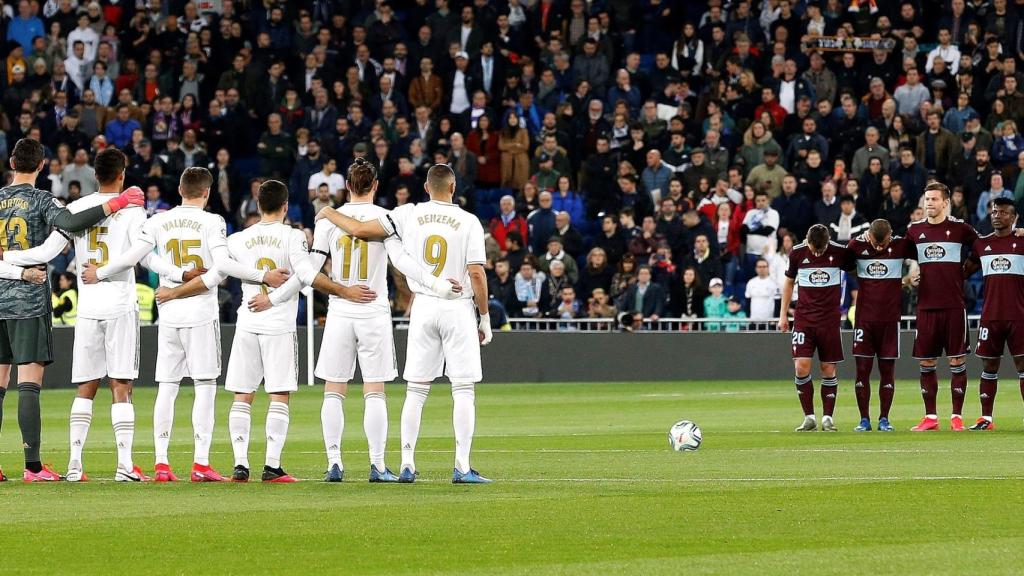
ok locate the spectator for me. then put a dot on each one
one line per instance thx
(762, 293)
(656, 175)
(624, 277)
(1007, 146)
(597, 274)
(795, 212)
(513, 142)
(756, 141)
(566, 200)
(571, 238)
(508, 221)
(599, 306)
(703, 259)
(896, 209)
(767, 177)
(911, 176)
(81, 172)
(556, 252)
(501, 288)
(645, 296)
(758, 231)
(119, 131)
(849, 224)
(715, 306)
(936, 146)
(996, 190)
(154, 202)
(911, 95)
(733, 309)
(531, 290)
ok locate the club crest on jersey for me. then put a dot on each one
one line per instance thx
(1000, 264)
(877, 270)
(935, 252)
(819, 278)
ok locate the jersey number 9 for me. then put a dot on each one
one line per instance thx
(435, 253)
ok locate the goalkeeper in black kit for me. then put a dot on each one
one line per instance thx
(27, 217)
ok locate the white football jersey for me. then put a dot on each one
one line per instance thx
(355, 261)
(107, 239)
(441, 236)
(186, 236)
(268, 246)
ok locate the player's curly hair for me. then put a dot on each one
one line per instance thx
(361, 176)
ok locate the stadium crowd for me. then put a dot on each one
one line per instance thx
(656, 157)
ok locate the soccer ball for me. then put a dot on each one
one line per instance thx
(684, 436)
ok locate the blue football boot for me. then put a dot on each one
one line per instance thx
(335, 474)
(385, 476)
(864, 426)
(883, 425)
(471, 477)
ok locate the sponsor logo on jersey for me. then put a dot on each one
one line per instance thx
(999, 264)
(877, 270)
(935, 252)
(819, 278)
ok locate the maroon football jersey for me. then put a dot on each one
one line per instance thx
(880, 278)
(941, 250)
(1002, 264)
(819, 279)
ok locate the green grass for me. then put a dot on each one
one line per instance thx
(585, 484)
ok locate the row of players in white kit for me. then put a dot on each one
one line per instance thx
(437, 245)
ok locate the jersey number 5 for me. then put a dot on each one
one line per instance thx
(98, 246)
(19, 237)
(435, 253)
(180, 253)
(347, 244)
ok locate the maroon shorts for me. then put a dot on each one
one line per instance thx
(826, 340)
(941, 331)
(881, 339)
(995, 335)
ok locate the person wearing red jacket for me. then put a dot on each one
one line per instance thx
(508, 221)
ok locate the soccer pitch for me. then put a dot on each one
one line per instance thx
(585, 483)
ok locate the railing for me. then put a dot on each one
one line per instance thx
(663, 325)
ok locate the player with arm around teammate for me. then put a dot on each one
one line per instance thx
(1000, 256)
(361, 331)
(444, 335)
(265, 348)
(189, 331)
(816, 267)
(879, 258)
(27, 218)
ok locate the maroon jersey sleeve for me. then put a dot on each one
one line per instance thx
(794, 263)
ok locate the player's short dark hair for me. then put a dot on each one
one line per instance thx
(361, 175)
(194, 181)
(272, 195)
(1004, 201)
(939, 187)
(817, 236)
(439, 177)
(109, 164)
(27, 155)
(880, 229)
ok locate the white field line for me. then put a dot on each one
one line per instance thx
(784, 479)
(967, 449)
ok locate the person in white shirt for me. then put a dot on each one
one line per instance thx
(459, 88)
(444, 335)
(761, 293)
(327, 175)
(86, 35)
(362, 331)
(946, 51)
(759, 228)
(189, 329)
(78, 66)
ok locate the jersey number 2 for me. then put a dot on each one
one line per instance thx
(268, 265)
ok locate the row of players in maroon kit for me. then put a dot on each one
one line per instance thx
(947, 250)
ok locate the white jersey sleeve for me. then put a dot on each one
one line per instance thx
(396, 221)
(48, 250)
(98, 244)
(183, 237)
(356, 262)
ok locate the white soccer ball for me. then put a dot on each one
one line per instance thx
(684, 436)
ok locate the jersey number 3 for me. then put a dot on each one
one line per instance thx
(435, 253)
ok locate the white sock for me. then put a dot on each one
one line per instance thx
(332, 420)
(375, 425)
(412, 411)
(122, 416)
(239, 423)
(277, 432)
(81, 419)
(464, 421)
(203, 419)
(163, 419)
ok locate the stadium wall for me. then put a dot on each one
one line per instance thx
(583, 357)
